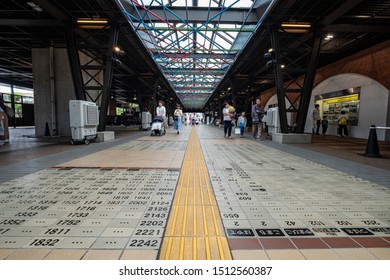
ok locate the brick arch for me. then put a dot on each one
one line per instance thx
(350, 76)
(372, 63)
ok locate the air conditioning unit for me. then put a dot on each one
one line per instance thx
(146, 119)
(84, 119)
(273, 121)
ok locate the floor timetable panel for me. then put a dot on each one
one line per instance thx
(87, 208)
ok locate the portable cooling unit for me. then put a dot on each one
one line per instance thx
(146, 119)
(84, 119)
(273, 121)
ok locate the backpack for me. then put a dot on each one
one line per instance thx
(343, 120)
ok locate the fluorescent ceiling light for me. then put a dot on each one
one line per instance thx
(92, 21)
(296, 25)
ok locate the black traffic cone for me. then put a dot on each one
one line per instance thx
(372, 148)
(47, 131)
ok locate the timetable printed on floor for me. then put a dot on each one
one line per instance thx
(83, 208)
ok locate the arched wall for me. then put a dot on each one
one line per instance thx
(374, 103)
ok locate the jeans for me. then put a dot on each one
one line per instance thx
(242, 130)
(227, 127)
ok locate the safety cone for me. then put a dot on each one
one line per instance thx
(372, 148)
(47, 130)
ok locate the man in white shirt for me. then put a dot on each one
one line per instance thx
(315, 115)
(161, 111)
(227, 121)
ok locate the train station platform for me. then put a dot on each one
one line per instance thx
(196, 195)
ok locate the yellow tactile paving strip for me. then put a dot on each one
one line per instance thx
(194, 230)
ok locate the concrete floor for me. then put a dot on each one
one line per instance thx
(113, 200)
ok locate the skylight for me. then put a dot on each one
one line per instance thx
(193, 42)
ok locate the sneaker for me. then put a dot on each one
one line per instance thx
(6, 141)
(178, 132)
(224, 136)
(230, 137)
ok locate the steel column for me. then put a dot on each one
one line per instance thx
(108, 73)
(155, 85)
(233, 92)
(74, 62)
(279, 81)
(13, 105)
(308, 83)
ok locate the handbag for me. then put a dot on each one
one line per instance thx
(237, 131)
(256, 119)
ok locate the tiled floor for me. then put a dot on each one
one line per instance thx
(113, 200)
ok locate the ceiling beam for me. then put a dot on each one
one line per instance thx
(357, 28)
(196, 14)
(51, 9)
(340, 11)
(16, 83)
(30, 22)
(195, 56)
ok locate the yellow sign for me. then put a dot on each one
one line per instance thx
(348, 98)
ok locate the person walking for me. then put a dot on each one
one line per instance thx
(242, 121)
(324, 124)
(257, 117)
(316, 118)
(342, 122)
(161, 111)
(227, 120)
(177, 115)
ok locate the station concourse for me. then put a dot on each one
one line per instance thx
(194, 195)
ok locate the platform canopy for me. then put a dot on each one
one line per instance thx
(194, 42)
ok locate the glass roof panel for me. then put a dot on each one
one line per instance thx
(193, 48)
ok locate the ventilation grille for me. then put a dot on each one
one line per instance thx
(92, 116)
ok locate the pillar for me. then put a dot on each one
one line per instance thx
(53, 88)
